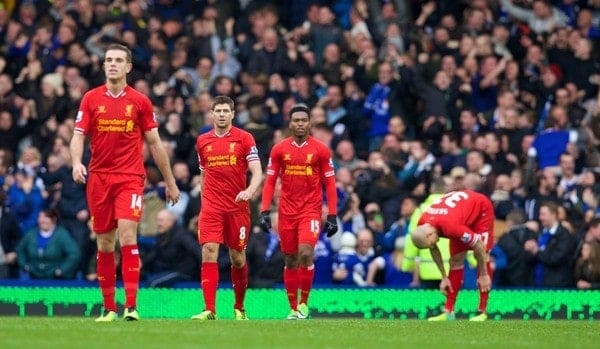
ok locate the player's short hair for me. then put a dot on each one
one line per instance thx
(300, 107)
(123, 48)
(222, 100)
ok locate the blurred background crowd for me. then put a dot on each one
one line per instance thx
(415, 98)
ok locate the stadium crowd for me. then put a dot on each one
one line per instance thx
(414, 98)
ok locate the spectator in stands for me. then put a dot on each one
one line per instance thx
(351, 264)
(587, 267)
(553, 141)
(25, 199)
(542, 18)
(378, 104)
(48, 251)
(415, 175)
(553, 250)
(264, 255)
(174, 257)
(419, 261)
(10, 235)
(451, 154)
(518, 271)
(386, 269)
(345, 156)
(72, 206)
(544, 191)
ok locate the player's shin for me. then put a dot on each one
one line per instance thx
(239, 279)
(209, 284)
(305, 277)
(291, 281)
(456, 277)
(106, 270)
(130, 270)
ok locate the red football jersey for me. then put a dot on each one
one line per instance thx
(304, 170)
(224, 162)
(116, 126)
(457, 214)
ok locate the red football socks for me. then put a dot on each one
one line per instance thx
(305, 277)
(210, 281)
(107, 278)
(291, 281)
(456, 277)
(239, 279)
(483, 296)
(130, 270)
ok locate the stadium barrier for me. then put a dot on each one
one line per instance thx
(181, 303)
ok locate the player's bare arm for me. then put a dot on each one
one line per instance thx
(481, 255)
(255, 180)
(201, 181)
(162, 161)
(76, 147)
(439, 262)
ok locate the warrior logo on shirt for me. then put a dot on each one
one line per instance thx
(209, 148)
(128, 110)
(101, 109)
(287, 157)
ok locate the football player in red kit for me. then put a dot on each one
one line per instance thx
(305, 167)
(466, 218)
(225, 155)
(117, 119)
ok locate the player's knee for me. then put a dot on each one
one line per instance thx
(210, 252)
(457, 261)
(291, 261)
(306, 257)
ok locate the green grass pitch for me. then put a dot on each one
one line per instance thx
(66, 333)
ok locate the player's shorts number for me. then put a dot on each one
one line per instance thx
(484, 237)
(136, 201)
(315, 226)
(242, 233)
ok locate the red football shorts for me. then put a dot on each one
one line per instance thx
(112, 197)
(298, 230)
(230, 229)
(484, 226)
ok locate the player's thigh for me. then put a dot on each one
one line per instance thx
(288, 235)
(236, 230)
(210, 227)
(457, 260)
(484, 226)
(101, 202)
(129, 197)
(309, 228)
(458, 247)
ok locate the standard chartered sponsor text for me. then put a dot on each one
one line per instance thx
(218, 160)
(112, 125)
